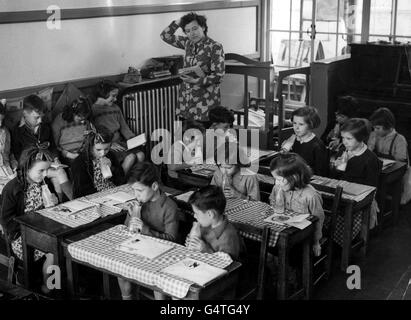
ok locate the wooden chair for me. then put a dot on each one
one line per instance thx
(258, 290)
(325, 259)
(9, 263)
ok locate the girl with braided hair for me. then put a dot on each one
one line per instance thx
(88, 168)
(27, 192)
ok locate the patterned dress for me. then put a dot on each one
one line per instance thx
(100, 183)
(33, 200)
(196, 99)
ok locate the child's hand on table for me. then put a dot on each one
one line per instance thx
(195, 243)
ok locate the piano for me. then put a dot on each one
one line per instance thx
(380, 76)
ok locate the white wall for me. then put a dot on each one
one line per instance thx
(96, 47)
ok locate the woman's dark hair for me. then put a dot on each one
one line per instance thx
(231, 153)
(145, 173)
(209, 198)
(34, 103)
(383, 117)
(220, 114)
(293, 168)
(310, 116)
(29, 157)
(104, 88)
(192, 16)
(360, 128)
(80, 107)
(347, 106)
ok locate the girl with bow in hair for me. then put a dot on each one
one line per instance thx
(96, 168)
(27, 192)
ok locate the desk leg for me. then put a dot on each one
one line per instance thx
(346, 250)
(106, 285)
(382, 193)
(396, 199)
(283, 265)
(71, 271)
(28, 258)
(365, 227)
(307, 268)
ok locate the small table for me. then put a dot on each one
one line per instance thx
(224, 285)
(390, 180)
(38, 232)
(350, 206)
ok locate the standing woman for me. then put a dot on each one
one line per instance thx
(197, 94)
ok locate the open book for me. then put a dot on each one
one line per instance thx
(196, 271)
(71, 207)
(144, 246)
(115, 198)
(386, 163)
(299, 221)
(136, 141)
(194, 72)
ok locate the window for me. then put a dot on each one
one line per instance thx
(305, 30)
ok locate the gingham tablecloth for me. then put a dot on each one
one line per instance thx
(90, 214)
(100, 250)
(254, 213)
(357, 217)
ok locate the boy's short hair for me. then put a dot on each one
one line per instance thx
(192, 124)
(347, 106)
(293, 168)
(209, 198)
(145, 173)
(34, 103)
(360, 128)
(220, 114)
(383, 117)
(104, 88)
(310, 116)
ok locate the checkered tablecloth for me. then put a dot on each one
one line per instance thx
(254, 213)
(199, 167)
(90, 214)
(100, 250)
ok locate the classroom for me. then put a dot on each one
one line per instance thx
(205, 150)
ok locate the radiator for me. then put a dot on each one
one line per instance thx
(147, 107)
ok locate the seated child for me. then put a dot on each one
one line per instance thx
(386, 142)
(24, 194)
(346, 109)
(293, 191)
(156, 213)
(69, 128)
(96, 168)
(32, 132)
(107, 113)
(213, 232)
(221, 122)
(305, 143)
(232, 176)
(187, 152)
(7, 160)
(356, 163)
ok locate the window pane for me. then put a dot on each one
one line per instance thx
(404, 18)
(351, 20)
(380, 16)
(379, 38)
(280, 16)
(290, 53)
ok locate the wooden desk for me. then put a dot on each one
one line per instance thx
(39, 232)
(223, 286)
(390, 182)
(348, 208)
